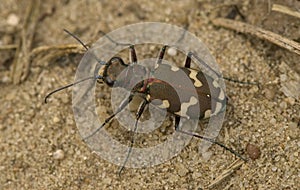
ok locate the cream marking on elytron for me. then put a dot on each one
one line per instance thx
(185, 105)
(221, 95)
(164, 104)
(173, 68)
(216, 84)
(218, 107)
(193, 75)
(207, 114)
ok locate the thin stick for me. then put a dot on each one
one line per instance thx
(21, 64)
(8, 47)
(76, 47)
(232, 168)
(259, 32)
(285, 10)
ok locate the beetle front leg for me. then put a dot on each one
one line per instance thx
(132, 55)
(138, 115)
(107, 120)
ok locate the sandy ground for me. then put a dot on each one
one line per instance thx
(40, 147)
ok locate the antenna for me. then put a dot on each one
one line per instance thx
(67, 86)
(76, 38)
(72, 84)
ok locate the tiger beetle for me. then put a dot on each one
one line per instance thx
(211, 97)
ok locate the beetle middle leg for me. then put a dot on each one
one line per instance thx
(187, 64)
(162, 52)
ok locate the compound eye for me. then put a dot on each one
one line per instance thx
(113, 69)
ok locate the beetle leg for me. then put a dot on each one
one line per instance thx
(161, 54)
(188, 60)
(177, 121)
(138, 115)
(107, 120)
(191, 54)
(132, 55)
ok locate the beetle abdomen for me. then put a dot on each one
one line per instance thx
(210, 101)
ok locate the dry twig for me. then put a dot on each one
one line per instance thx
(46, 53)
(67, 48)
(8, 47)
(285, 10)
(232, 168)
(260, 33)
(21, 64)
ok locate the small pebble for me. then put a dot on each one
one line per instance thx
(270, 94)
(293, 125)
(206, 155)
(253, 151)
(283, 77)
(58, 154)
(273, 121)
(172, 51)
(6, 39)
(290, 100)
(152, 48)
(26, 97)
(107, 180)
(274, 169)
(56, 119)
(255, 88)
(65, 99)
(10, 96)
(13, 20)
(283, 105)
(168, 11)
(182, 170)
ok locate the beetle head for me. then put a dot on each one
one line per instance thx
(118, 74)
(112, 70)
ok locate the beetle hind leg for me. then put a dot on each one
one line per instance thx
(177, 121)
